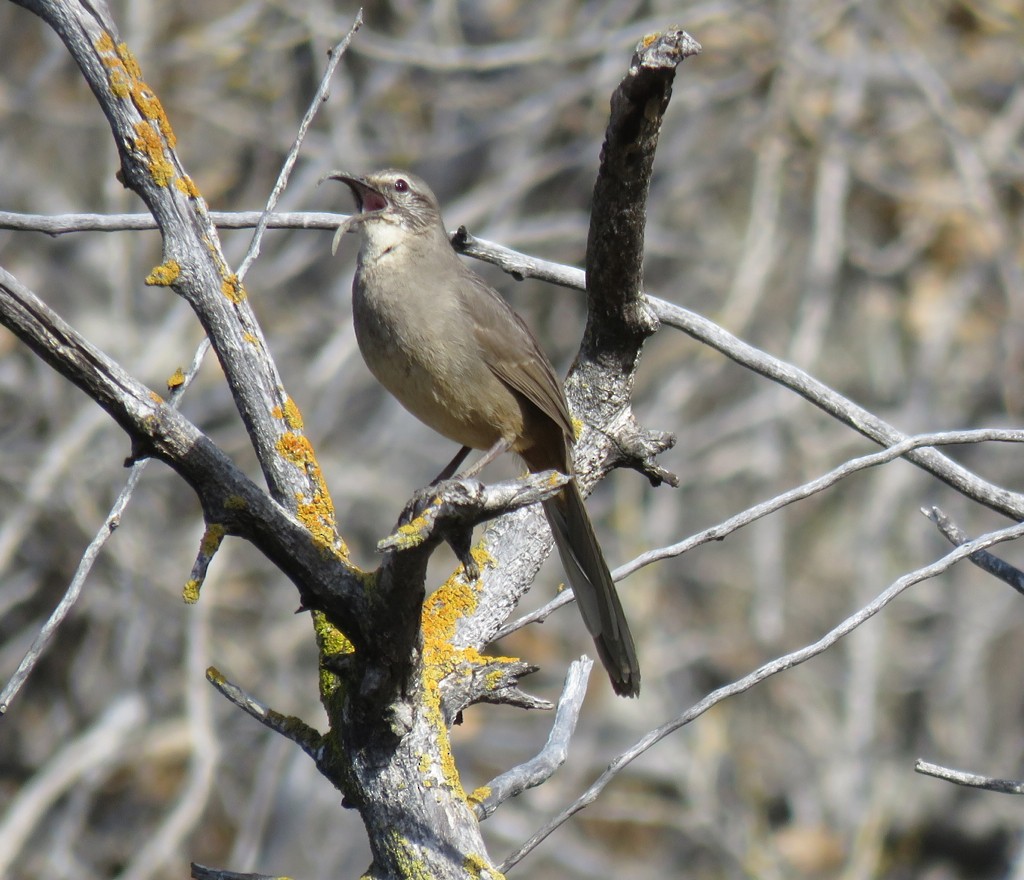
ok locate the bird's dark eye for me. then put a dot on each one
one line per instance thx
(401, 185)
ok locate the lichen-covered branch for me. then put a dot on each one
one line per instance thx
(193, 264)
(325, 581)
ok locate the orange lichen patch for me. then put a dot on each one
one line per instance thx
(295, 448)
(120, 84)
(164, 275)
(156, 398)
(432, 704)
(292, 415)
(317, 515)
(149, 106)
(119, 75)
(441, 612)
(449, 603)
(176, 380)
(289, 411)
(317, 512)
(126, 81)
(553, 480)
(646, 41)
(252, 340)
(233, 289)
(148, 142)
(187, 186)
(131, 65)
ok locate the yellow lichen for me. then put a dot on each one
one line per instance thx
(120, 84)
(131, 65)
(212, 539)
(150, 107)
(164, 275)
(292, 415)
(232, 288)
(477, 866)
(156, 398)
(235, 502)
(315, 513)
(126, 80)
(481, 556)
(409, 863)
(190, 593)
(248, 337)
(176, 380)
(441, 613)
(148, 142)
(480, 794)
(289, 411)
(120, 77)
(411, 533)
(296, 448)
(187, 186)
(331, 642)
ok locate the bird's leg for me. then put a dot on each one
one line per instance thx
(452, 466)
(497, 449)
(503, 445)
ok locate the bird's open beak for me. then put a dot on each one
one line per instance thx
(368, 198)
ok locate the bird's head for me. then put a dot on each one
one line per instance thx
(392, 197)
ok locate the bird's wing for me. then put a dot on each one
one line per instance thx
(513, 354)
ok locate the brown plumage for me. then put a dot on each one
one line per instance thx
(457, 357)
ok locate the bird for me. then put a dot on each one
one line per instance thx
(453, 352)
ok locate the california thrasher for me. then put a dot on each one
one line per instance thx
(458, 358)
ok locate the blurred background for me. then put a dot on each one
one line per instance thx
(838, 183)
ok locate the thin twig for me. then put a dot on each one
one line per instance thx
(91, 554)
(973, 780)
(997, 498)
(759, 511)
(202, 872)
(322, 92)
(773, 667)
(542, 766)
(74, 590)
(986, 561)
(65, 224)
(305, 737)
